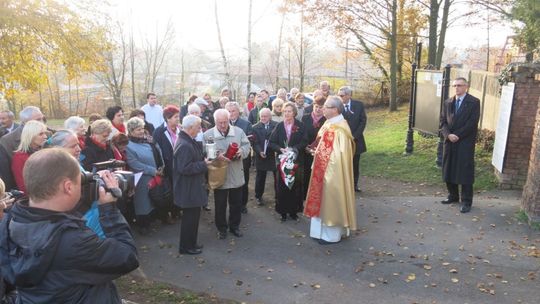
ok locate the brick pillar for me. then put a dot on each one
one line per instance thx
(522, 123)
(530, 201)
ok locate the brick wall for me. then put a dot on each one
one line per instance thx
(531, 192)
(522, 124)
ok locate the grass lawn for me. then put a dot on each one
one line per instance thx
(56, 123)
(386, 135)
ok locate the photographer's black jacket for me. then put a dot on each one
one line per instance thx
(52, 257)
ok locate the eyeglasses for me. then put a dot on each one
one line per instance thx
(458, 85)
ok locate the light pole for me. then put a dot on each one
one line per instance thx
(412, 101)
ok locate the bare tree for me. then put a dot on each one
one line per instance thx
(375, 37)
(182, 79)
(132, 65)
(278, 56)
(301, 54)
(249, 46)
(116, 61)
(223, 57)
(155, 54)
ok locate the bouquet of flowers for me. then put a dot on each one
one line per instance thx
(287, 167)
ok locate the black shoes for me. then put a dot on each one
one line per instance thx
(295, 217)
(206, 208)
(357, 190)
(449, 201)
(236, 232)
(465, 208)
(259, 201)
(244, 210)
(283, 217)
(190, 251)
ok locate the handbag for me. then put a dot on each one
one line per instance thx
(217, 173)
(160, 192)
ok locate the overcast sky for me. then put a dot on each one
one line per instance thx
(196, 28)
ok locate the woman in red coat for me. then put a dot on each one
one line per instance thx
(33, 137)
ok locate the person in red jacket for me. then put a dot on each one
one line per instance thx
(33, 137)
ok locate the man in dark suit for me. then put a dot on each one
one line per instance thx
(7, 123)
(459, 126)
(190, 168)
(356, 117)
(234, 110)
(10, 142)
(265, 159)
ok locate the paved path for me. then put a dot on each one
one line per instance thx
(407, 250)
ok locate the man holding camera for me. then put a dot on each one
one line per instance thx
(48, 253)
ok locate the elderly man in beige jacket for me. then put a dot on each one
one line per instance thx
(224, 135)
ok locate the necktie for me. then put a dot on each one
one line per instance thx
(458, 104)
(347, 108)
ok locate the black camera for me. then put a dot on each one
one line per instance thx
(91, 181)
(16, 194)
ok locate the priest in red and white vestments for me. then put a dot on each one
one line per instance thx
(330, 200)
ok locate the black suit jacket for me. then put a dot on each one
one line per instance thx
(260, 135)
(5, 169)
(244, 125)
(189, 182)
(311, 131)
(4, 131)
(278, 139)
(357, 120)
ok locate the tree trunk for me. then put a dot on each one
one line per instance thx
(249, 48)
(393, 59)
(223, 57)
(182, 79)
(69, 97)
(347, 60)
(442, 34)
(132, 61)
(301, 59)
(276, 87)
(400, 43)
(78, 97)
(433, 22)
(289, 68)
(166, 70)
(40, 99)
(51, 98)
(86, 104)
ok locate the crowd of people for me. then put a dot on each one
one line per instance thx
(310, 143)
(269, 132)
